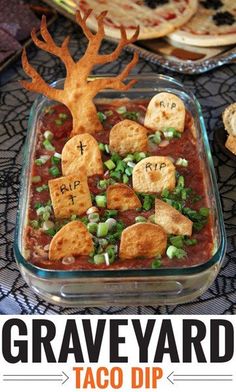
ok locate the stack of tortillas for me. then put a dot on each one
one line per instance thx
(199, 23)
(229, 120)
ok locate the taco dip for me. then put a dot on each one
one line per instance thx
(118, 203)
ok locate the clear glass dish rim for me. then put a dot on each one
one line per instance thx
(124, 273)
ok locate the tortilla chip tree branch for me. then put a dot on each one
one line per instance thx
(78, 91)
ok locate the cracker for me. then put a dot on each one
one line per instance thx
(73, 239)
(122, 197)
(153, 174)
(229, 119)
(142, 240)
(231, 144)
(165, 110)
(70, 195)
(171, 220)
(81, 150)
(127, 137)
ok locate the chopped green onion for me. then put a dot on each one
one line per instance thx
(47, 144)
(110, 214)
(51, 232)
(138, 156)
(190, 241)
(44, 212)
(101, 146)
(92, 227)
(54, 171)
(129, 171)
(41, 160)
(182, 162)
(172, 252)
(47, 225)
(128, 158)
(48, 135)
(101, 201)
(48, 110)
(148, 202)
(116, 175)
(165, 193)
(84, 220)
(177, 241)
(94, 217)
(107, 149)
(204, 211)
(103, 242)
(38, 205)
(108, 113)
(140, 218)
(156, 263)
(63, 116)
(99, 259)
(198, 226)
(121, 110)
(110, 164)
(58, 121)
(107, 261)
(102, 184)
(184, 194)
(115, 157)
(101, 116)
(131, 164)
(35, 224)
(102, 229)
(125, 179)
(131, 115)
(111, 223)
(55, 160)
(46, 215)
(152, 218)
(42, 188)
(157, 137)
(180, 182)
(73, 217)
(120, 166)
(40, 210)
(171, 133)
(111, 250)
(36, 179)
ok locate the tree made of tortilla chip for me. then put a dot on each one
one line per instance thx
(78, 91)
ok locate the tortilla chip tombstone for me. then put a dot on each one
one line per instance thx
(70, 195)
(142, 240)
(171, 220)
(165, 110)
(73, 239)
(122, 197)
(153, 174)
(81, 150)
(127, 137)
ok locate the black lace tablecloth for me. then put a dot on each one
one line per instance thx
(215, 90)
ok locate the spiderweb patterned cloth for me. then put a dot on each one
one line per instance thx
(215, 90)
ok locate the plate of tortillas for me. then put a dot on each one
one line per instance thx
(187, 36)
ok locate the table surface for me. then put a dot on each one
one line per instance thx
(215, 90)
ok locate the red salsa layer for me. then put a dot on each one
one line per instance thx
(189, 197)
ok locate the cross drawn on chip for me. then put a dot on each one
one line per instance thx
(78, 91)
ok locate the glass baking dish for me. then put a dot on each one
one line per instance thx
(124, 286)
